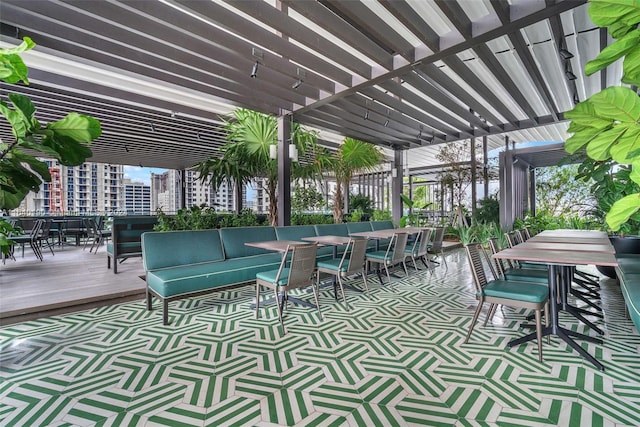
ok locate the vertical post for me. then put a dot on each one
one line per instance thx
(474, 178)
(396, 187)
(485, 169)
(532, 191)
(284, 171)
(183, 188)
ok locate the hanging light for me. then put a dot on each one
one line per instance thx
(293, 152)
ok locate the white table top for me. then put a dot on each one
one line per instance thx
(277, 245)
(328, 239)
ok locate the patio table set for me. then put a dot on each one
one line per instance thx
(353, 261)
(561, 251)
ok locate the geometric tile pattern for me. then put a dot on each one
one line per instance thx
(394, 357)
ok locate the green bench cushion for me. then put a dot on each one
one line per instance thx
(382, 225)
(358, 227)
(333, 264)
(629, 263)
(331, 230)
(270, 276)
(295, 232)
(186, 279)
(630, 288)
(175, 248)
(527, 275)
(234, 239)
(521, 291)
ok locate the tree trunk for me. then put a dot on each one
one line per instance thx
(273, 202)
(337, 204)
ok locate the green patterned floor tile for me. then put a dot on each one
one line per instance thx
(396, 357)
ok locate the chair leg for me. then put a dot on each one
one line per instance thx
(415, 263)
(474, 320)
(404, 265)
(364, 279)
(386, 269)
(315, 295)
(539, 333)
(257, 299)
(344, 297)
(490, 313)
(443, 258)
(280, 304)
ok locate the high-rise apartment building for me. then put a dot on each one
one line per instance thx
(166, 190)
(90, 188)
(137, 198)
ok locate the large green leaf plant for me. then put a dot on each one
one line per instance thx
(607, 125)
(65, 140)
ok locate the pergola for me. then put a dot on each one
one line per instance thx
(404, 75)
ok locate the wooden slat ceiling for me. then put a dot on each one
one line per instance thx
(401, 74)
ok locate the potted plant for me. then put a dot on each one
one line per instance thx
(607, 125)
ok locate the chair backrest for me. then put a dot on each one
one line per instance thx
(527, 233)
(90, 226)
(35, 230)
(302, 265)
(438, 237)
(511, 240)
(400, 245)
(357, 255)
(520, 235)
(45, 229)
(493, 244)
(424, 239)
(475, 262)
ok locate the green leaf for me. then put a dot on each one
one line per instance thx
(631, 67)
(607, 12)
(15, 119)
(12, 68)
(613, 52)
(617, 103)
(622, 210)
(580, 139)
(77, 127)
(584, 115)
(635, 173)
(599, 147)
(627, 144)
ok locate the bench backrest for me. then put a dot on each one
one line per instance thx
(295, 232)
(332, 230)
(359, 227)
(382, 225)
(161, 249)
(126, 234)
(234, 239)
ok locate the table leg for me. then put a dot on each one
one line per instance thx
(286, 297)
(554, 327)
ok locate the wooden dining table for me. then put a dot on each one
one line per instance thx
(560, 263)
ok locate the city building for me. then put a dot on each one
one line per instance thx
(137, 198)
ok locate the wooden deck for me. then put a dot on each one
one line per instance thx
(71, 280)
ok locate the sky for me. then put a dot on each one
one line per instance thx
(138, 174)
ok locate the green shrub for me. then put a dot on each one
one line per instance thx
(380, 215)
(310, 219)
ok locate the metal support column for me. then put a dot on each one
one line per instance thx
(474, 178)
(284, 171)
(396, 187)
(485, 169)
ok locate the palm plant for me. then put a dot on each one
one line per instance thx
(352, 157)
(245, 156)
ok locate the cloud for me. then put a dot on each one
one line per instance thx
(140, 174)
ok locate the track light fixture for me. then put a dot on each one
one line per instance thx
(254, 70)
(126, 148)
(386, 123)
(153, 127)
(258, 55)
(366, 115)
(301, 76)
(565, 54)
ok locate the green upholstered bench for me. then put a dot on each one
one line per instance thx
(183, 264)
(629, 276)
(359, 227)
(126, 233)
